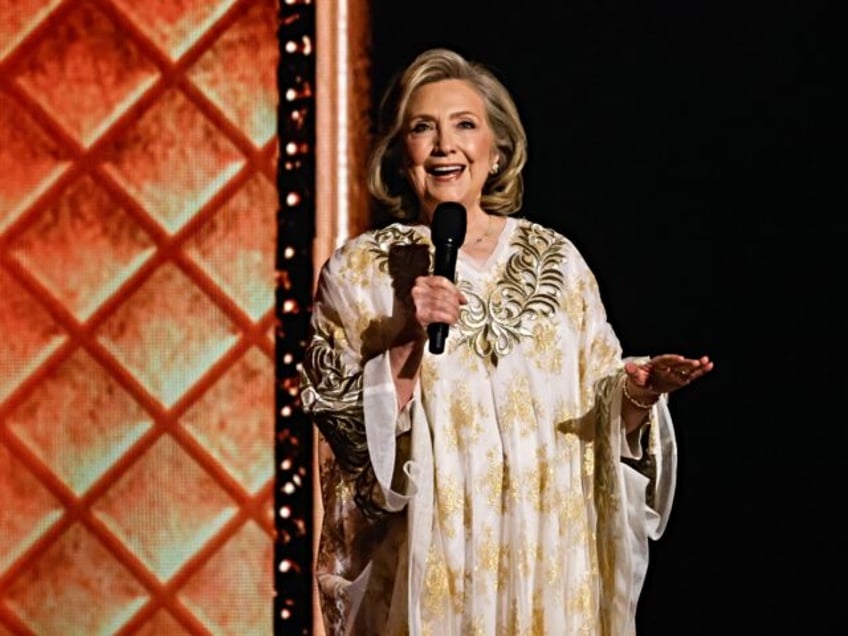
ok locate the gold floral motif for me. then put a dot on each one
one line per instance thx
(430, 375)
(546, 354)
(607, 499)
(604, 356)
(364, 318)
(361, 256)
(493, 481)
(530, 288)
(358, 264)
(458, 591)
(552, 562)
(449, 501)
(465, 418)
(526, 556)
(503, 568)
(573, 301)
(331, 392)
(571, 510)
(547, 485)
(397, 234)
(449, 439)
(517, 412)
(532, 491)
(581, 603)
(488, 552)
(436, 586)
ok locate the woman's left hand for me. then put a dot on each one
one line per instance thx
(668, 372)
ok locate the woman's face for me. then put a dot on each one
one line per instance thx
(449, 146)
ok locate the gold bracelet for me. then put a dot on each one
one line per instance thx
(634, 401)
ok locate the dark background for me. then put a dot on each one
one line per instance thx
(689, 150)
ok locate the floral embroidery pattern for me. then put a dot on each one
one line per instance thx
(530, 288)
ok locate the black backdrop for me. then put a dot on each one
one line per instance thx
(686, 148)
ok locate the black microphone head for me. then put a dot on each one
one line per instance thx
(449, 223)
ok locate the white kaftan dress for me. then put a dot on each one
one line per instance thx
(505, 498)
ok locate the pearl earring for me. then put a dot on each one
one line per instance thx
(495, 167)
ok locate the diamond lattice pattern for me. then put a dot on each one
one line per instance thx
(137, 238)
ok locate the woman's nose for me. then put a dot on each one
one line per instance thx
(443, 143)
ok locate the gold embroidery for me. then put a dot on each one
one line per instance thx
(331, 373)
(573, 303)
(430, 375)
(530, 287)
(517, 411)
(493, 481)
(607, 500)
(532, 493)
(647, 463)
(464, 419)
(552, 562)
(545, 472)
(459, 591)
(449, 501)
(503, 568)
(397, 234)
(488, 552)
(364, 318)
(572, 506)
(356, 264)
(580, 601)
(331, 392)
(361, 256)
(436, 586)
(547, 352)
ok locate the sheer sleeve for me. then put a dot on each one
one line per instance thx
(347, 390)
(635, 475)
(332, 387)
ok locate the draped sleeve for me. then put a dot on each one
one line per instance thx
(347, 390)
(332, 385)
(632, 477)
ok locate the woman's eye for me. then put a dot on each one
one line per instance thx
(467, 123)
(420, 127)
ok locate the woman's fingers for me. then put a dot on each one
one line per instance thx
(670, 372)
(436, 299)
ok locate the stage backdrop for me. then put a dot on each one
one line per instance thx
(137, 239)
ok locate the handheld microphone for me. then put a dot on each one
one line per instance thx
(448, 234)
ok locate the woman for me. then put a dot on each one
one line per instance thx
(510, 484)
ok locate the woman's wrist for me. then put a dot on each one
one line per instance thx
(644, 402)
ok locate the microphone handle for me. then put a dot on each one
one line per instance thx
(444, 261)
(438, 333)
(444, 265)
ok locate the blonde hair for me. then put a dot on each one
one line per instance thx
(503, 191)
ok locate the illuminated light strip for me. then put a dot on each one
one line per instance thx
(341, 140)
(293, 503)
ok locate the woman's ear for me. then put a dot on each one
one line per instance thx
(495, 165)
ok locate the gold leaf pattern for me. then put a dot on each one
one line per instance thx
(529, 289)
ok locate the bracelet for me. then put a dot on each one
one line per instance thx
(634, 401)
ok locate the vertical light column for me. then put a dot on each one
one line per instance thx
(342, 141)
(296, 229)
(343, 104)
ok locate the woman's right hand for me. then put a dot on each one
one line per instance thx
(436, 299)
